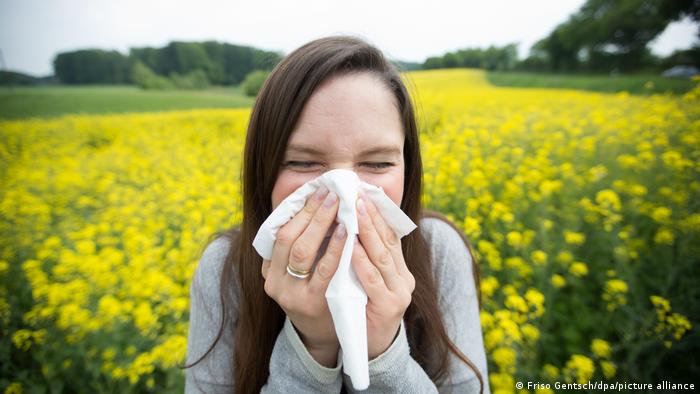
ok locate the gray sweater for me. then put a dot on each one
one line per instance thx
(293, 370)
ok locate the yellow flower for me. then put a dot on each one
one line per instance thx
(514, 239)
(547, 187)
(144, 319)
(675, 160)
(574, 238)
(558, 281)
(664, 236)
(609, 369)
(14, 388)
(505, 358)
(600, 348)
(550, 371)
(493, 337)
(539, 257)
(535, 300)
(628, 161)
(661, 303)
(516, 303)
(501, 382)
(486, 319)
(609, 199)
(580, 368)
(597, 173)
(670, 324)
(637, 190)
(472, 227)
(488, 286)
(530, 332)
(616, 286)
(614, 293)
(547, 224)
(565, 257)
(661, 214)
(578, 269)
(22, 339)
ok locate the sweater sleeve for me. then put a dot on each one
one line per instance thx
(213, 374)
(395, 370)
(292, 369)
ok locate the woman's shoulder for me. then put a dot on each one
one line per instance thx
(217, 248)
(439, 231)
(211, 261)
(214, 254)
(447, 244)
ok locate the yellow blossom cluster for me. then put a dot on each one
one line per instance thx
(670, 325)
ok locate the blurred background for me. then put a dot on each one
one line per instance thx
(562, 137)
(121, 49)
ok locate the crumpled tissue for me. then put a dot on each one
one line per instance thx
(345, 295)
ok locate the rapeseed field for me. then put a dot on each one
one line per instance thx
(582, 208)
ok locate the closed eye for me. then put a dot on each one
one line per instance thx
(379, 165)
(304, 164)
(308, 164)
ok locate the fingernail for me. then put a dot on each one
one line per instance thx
(320, 193)
(340, 231)
(330, 200)
(361, 206)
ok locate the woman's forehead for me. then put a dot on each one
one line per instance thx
(352, 113)
(352, 101)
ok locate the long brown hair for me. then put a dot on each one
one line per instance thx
(274, 115)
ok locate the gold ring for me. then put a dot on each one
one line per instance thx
(296, 273)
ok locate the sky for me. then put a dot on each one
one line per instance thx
(32, 32)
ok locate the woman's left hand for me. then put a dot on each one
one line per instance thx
(378, 261)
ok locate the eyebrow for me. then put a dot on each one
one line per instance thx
(368, 152)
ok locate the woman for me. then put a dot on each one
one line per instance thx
(335, 102)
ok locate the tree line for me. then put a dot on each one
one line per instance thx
(178, 63)
(602, 36)
(491, 58)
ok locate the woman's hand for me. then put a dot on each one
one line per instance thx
(303, 300)
(381, 268)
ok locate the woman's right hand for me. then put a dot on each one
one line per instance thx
(303, 300)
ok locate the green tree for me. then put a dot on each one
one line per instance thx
(145, 78)
(606, 35)
(223, 63)
(253, 82)
(491, 58)
(196, 79)
(89, 66)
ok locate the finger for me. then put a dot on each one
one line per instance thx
(388, 235)
(328, 264)
(290, 231)
(305, 249)
(369, 276)
(374, 246)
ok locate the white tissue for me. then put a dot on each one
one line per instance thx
(345, 295)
